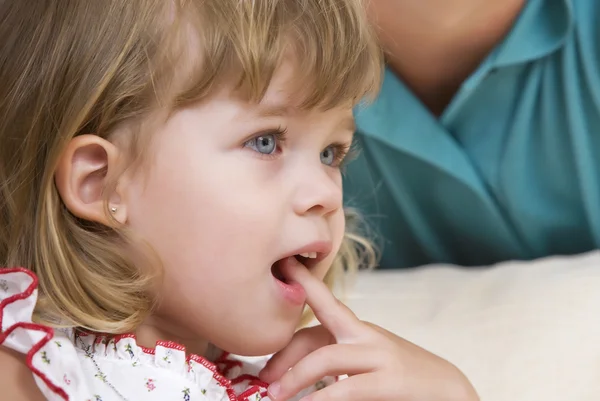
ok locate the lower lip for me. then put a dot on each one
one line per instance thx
(292, 291)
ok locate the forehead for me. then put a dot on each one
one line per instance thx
(287, 91)
(285, 95)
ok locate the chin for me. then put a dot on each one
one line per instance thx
(257, 343)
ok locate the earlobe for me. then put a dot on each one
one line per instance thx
(82, 179)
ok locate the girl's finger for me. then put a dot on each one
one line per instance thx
(303, 343)
(356, 388)
(332, 360)
(334, 315)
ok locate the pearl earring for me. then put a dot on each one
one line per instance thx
(113, 210)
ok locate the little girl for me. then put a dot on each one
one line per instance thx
(170, 182)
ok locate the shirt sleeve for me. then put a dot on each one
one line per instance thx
(50, 355)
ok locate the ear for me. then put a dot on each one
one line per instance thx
(82, 177)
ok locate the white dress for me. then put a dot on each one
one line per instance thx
(89, 367)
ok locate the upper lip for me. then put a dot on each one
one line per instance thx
(321, 248)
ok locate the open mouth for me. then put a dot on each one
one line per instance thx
(305, 259)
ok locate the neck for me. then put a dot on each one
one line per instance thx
(433, 45)
(156, 329)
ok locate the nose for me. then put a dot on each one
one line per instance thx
(318, 193)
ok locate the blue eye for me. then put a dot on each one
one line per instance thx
(265, 144)
(328, 156)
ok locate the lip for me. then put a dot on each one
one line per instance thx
(291, 291)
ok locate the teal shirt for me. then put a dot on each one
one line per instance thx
(510, 170)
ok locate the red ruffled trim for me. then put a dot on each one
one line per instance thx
(256, 385)
(227, 364)
(250, 392)
(49, 332)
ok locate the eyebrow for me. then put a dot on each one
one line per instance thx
(347, 123)
(274, 111)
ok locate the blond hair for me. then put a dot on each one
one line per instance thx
(70, 68)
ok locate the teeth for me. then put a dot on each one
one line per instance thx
(309, 255)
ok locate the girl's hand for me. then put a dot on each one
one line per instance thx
(380, 365)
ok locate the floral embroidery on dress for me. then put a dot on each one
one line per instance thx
(66, 380)
(150, 384)
(128, 350)
(186, 394)
(3, 285)
(88, 350)
(45, 358)
(101, 376)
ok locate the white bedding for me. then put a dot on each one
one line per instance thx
(520, 331)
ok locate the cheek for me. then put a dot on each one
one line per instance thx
(195, 205)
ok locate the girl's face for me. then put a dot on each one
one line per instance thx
(231, 188)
